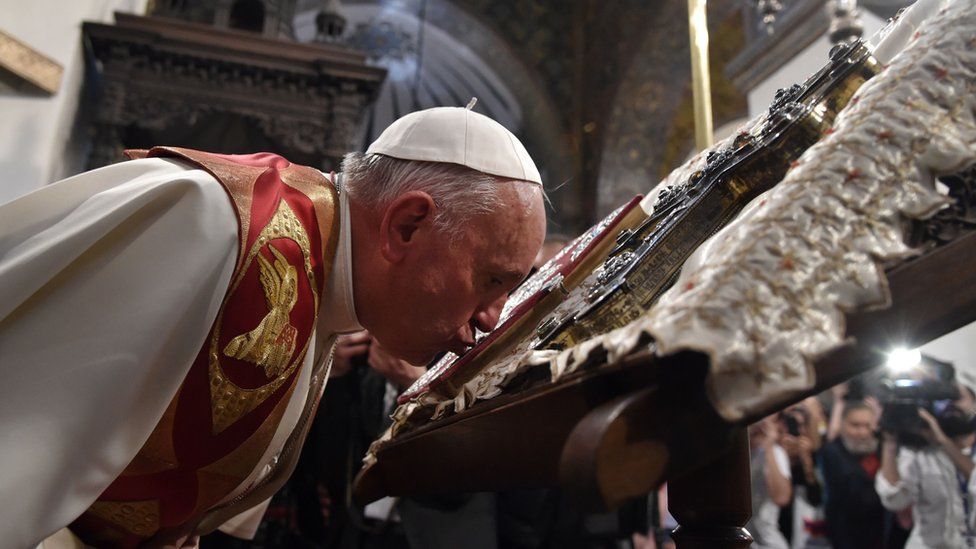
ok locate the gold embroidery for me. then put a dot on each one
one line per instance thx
(272, 343)
(240, 462)
(325, 199)
(138, 517)
(228, 401)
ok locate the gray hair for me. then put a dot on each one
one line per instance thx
(459, 192)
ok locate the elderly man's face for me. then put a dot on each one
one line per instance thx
(857, 431)
(444, 289)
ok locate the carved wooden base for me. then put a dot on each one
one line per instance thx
(711, 538)
(713, 503)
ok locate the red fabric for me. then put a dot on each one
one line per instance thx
(196, 445)
(870, 463)
(256, 160)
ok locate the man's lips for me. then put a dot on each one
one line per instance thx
(463, 340)
(459, 347)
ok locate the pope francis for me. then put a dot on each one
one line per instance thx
(166, 323)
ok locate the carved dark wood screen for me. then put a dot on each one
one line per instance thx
(165, 81)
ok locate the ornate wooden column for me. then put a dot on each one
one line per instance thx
(714, 502)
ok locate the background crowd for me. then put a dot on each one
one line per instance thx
(883, 462)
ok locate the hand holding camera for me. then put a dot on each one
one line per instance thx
(348, 346)
(932, 431)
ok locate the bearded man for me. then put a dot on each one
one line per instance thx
(855, 517)
(166, 323)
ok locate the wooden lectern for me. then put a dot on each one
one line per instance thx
(612, 433)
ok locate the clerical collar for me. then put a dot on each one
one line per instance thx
(338, 312)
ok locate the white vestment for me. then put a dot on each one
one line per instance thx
(109, 284)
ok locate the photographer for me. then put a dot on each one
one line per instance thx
(935, 479)
(803, 522)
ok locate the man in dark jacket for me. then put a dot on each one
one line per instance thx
(855, 517)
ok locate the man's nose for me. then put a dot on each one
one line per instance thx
(487, 318)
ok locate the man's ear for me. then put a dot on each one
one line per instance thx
(409, 213)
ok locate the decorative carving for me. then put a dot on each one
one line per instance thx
(687, 212)
(306, 99)
(107, 146)
(28, 65)
(272, 18)
(383, 40)
(307, 136)
(330, 23)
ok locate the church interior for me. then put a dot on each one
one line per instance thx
(659, 432)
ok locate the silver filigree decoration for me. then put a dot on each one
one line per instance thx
(767, 295)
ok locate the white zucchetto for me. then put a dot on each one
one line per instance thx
(459, 136)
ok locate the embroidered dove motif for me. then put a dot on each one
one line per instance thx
(272, 343)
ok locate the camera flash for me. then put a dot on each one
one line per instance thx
(902, 360)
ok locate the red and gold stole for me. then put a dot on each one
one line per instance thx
(222, 420)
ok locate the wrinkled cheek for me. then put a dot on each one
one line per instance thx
(424, 321)
(445, 327)
(440, 312)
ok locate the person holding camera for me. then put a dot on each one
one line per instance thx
(934, 479)
(803, 521)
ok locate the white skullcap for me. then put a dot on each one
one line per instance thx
(459, 136)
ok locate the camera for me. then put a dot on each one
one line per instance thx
(794, 419)
(930, 386)
(792, 424)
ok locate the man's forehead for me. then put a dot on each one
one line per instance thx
(515, 222)
(505, 265)
(508, 239)
(859, 416)
(505, 261)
